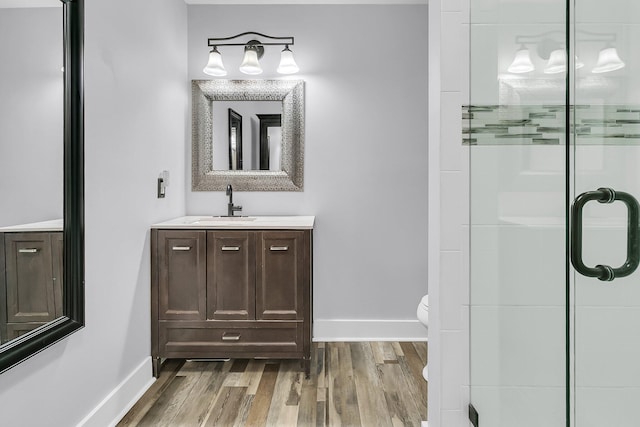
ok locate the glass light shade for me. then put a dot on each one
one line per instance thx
(521, 63)
(558, 62)
(250, 64)
(287, 63)
(608, 60)
(215, 67)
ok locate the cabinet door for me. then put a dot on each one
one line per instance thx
(282, 277)
(29, 278)
(231, 276)
(181, 275)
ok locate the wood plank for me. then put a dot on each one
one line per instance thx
(320, 367)
(402, 407)
(397, 348)
(169, 404)
(226, 408)
(243, 411)
(239, 365)
(411, 366)
(371, 400)
(252, 375)
(321, 414)
(203, 395)
(142, 406)
(342, 400)
(286, 395)
(421, 348)
(308, 403)
(262, 401)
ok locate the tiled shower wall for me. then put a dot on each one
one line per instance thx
(545, 124)
(521, 169)
(448, 222)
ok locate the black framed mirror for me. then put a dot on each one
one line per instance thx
(26, 345)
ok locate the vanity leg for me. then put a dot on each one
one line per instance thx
(155, 363)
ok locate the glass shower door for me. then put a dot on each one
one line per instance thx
(515, 130)
(605, 315)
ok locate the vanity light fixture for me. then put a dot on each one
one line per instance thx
(215, 67)
(253, 51)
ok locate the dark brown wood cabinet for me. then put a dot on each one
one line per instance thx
(231, 293)
(30, 281)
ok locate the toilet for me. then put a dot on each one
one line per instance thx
(423, 317)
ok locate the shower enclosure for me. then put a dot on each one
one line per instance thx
(553, 128)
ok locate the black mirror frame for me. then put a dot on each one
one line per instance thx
(37, 340)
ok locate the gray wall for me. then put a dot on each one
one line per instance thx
(135, 128)
(365, 69)
(31, 116)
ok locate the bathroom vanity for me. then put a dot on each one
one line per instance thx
(30, 277)
(231, 287)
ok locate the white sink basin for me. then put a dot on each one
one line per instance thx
(213, 220)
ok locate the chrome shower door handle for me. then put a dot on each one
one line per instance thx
(605, 272)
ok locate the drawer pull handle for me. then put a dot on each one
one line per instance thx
(233, 337)
(181, 248)
(279, 248)
(28, 251)
(231, 248)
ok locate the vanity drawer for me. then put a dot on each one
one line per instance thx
(217, 339)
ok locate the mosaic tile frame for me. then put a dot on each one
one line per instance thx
(545, 124)
(291, 175)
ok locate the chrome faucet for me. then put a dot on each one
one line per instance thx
(230, 207)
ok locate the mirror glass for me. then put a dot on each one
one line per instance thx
(237, 135)
(31, 168)
(248, 133)
(42, 181)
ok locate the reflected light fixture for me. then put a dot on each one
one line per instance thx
(522, 62)
(558, 62)
(608, 60)
(253, 52)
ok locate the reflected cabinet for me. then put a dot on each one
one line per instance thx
(231, 294)
(30, 281)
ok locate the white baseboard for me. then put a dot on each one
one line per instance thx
(368, 330)
(115, 406)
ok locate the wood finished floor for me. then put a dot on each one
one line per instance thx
(351, 384)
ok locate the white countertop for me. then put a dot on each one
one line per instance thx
(195, 222)
(52, 225)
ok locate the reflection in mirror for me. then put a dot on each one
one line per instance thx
(266, 153)
(270, 141)
(235, 140)
(244, 117)
(31, 168)
(41, 176)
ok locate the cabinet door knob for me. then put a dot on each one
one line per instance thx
(181, 248)
(279, 248)
(230, 337)
(231, 248)
(28, 251)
